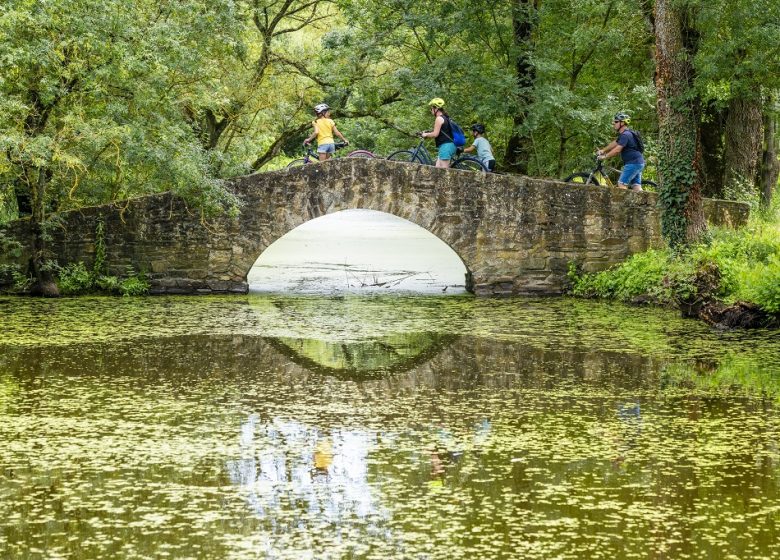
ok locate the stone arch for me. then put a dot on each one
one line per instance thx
(292, 225)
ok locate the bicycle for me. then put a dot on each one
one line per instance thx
(600, 175)
(420, 155)
(312, 157)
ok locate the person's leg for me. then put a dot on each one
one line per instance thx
(325, 151)
(446, 153)
(636, 182)
(629, 174)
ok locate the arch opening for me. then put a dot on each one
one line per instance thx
(359, 251)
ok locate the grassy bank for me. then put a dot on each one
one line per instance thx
(731, 267)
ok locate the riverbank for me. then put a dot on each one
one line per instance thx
(730, 281)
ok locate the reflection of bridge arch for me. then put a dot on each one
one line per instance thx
(373, 358)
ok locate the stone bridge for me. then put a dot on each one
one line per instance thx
(514, 234)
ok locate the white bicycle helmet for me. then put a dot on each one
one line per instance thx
(321, 108)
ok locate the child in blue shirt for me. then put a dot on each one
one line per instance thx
(482, 147)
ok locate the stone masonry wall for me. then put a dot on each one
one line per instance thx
(515, 235)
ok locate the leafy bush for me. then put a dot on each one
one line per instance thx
(654, 274)
(74, 279)
(748, 261)
(134, 284)
(761, 285)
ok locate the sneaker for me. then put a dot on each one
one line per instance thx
(637, 188)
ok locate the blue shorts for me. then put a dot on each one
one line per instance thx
(326, 148)
(446, 151)
(631, 174)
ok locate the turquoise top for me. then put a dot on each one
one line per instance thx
(484, 151)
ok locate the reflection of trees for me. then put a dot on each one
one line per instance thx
(389, 354)
(416, 359)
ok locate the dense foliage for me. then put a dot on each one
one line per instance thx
(102, 100)
(747, 261)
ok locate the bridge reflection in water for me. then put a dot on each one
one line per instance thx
(382, 428)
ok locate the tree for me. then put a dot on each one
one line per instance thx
(518, 149)
(89, 111)
(737, 66)
(770, 166)
(679, 115)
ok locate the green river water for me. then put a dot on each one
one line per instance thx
(383, 427)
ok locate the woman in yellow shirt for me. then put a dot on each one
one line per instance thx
(324, 129)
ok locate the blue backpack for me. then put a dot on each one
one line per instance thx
(458, 137)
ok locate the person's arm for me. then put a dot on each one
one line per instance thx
(339, 134)
(437, 124)
(470, 149)
(612, 149)
(313, 135)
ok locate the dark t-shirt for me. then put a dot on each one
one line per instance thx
(445, 133)
(630, 153)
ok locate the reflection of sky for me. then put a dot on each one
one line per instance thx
(277, 469)
(358, 251)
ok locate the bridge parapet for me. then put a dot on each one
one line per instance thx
(515, 235)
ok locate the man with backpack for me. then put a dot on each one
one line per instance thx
(630, 147)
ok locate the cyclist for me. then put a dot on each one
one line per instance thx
(324, 129)
(441, 133)
(482, 147)
(627, 145)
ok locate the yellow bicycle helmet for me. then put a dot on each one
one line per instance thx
(437, 102)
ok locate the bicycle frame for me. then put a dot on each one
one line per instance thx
(603, 173)
(421, 154)
(311, 156)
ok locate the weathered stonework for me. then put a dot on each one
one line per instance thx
(515, 235)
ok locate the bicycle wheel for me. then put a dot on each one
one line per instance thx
(402, 155)
(296, 163)
(581, 178)
(361, 154)
(469, 164)
(652, 185)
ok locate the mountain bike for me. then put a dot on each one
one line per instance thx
(420, 155)
(601, 175)
(312, 157)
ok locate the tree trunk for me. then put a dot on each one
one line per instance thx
(711, 133)
(679, 116)
(770, 166)
(518, 149)
(44, 279)
(744, 139)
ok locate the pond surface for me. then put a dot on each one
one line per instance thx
(387, 428)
